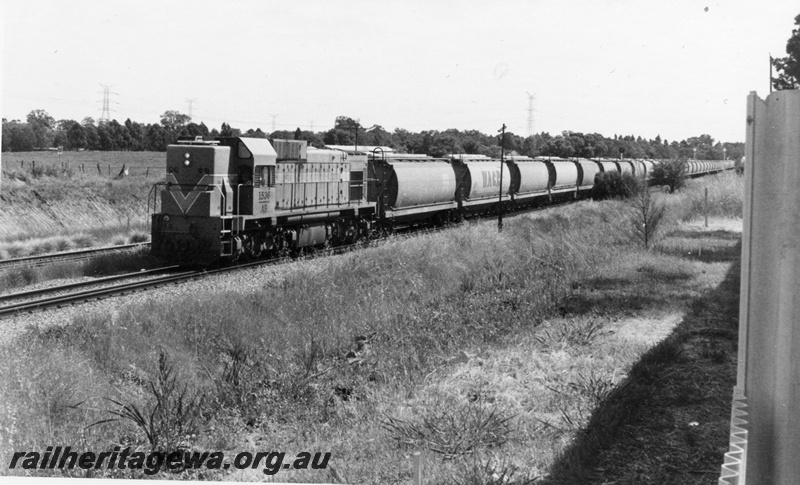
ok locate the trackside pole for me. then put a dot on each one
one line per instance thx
(502, 162)
(765, 415)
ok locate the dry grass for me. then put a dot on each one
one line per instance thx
(491, 353)
(50, 200)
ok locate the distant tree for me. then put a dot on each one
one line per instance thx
(174, 121)
(156, 138)
(6, 138)
(43, 127)
(338, 136)
(23, 139)
(346, 123)
(442, 144)
(76, 136)
(194, 130)
(226, 130)
(92, 140)
(257, 133)
(105, 140)
(789, 67)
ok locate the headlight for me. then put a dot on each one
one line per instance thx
(186, 162)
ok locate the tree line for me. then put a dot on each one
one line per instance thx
(42, 131)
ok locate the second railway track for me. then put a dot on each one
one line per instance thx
(66, 256)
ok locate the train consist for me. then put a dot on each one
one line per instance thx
(237, 197)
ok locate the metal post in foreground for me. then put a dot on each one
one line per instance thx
(765, 424)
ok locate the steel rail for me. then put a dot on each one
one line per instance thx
(96, 281)
(78, 254)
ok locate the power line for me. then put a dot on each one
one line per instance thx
(105, 113)
(531, 99)
(190, 101)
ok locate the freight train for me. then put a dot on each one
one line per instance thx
(239, 198)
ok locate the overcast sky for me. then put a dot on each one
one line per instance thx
(672, 68)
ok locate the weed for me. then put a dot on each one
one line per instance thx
(452, 430)
(595, 387)
(138, 237)
(492, 472)
(171, 415)
(578, 332)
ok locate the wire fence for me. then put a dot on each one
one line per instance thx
(84, 167)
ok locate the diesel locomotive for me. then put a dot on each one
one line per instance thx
(235, 197)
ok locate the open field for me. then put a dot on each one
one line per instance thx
(86, 162)
(53, 205)
(494, 354)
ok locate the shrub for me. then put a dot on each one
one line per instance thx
(615, 185)
(646, 217)
(671, 173)
(170, 417)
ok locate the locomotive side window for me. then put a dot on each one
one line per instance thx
(265, 175)
(258, 179)
(243, 151)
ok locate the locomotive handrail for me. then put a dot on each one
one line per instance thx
(238, 199)
(383, 153)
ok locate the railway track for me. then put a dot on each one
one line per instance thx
(72, 293)
(76, 255)
(76, 293)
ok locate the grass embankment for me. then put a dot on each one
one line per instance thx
(488, 352)
(55, 206)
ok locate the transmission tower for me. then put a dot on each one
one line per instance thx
(273, 121)
(105, 114)
(531, 109)
(190, 101)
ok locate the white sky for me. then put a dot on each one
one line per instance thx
(646, 68)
